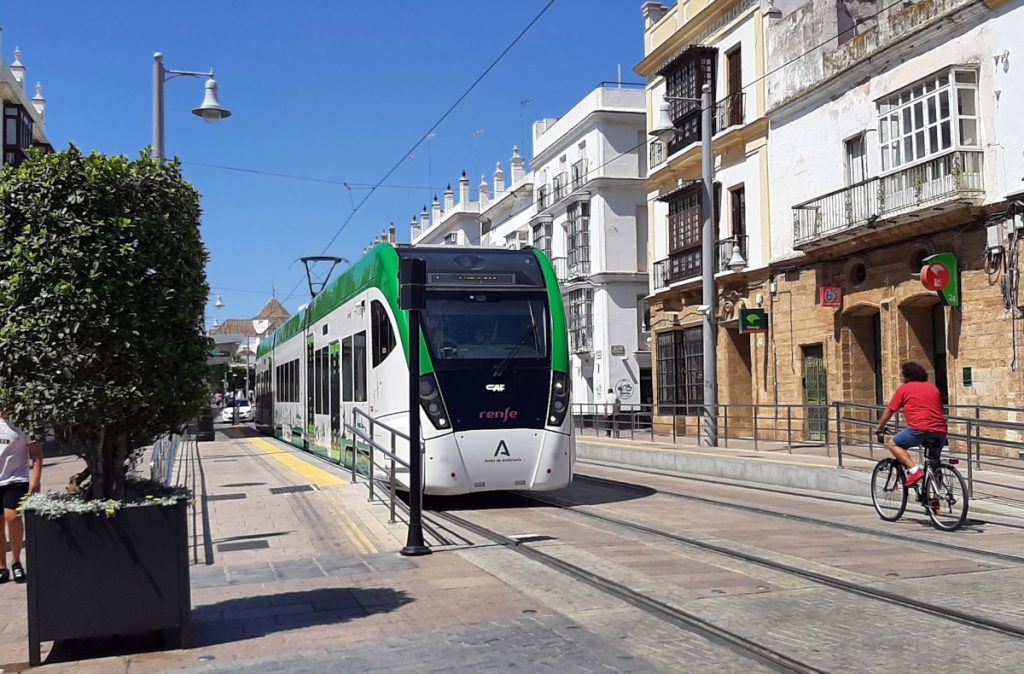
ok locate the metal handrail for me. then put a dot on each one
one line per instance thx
(372, 444)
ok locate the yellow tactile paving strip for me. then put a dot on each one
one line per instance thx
(313, 475)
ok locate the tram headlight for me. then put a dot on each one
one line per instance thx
(559, 405)
(430, 400)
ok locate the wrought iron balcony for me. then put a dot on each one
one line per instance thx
(687, 264)
(543, 196)
(657, 153)
(561, 268)
(579, 174)
(730, 111)
(944, 180)
(560, 185)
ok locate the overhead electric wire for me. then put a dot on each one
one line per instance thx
(380, 184)
(436, 124)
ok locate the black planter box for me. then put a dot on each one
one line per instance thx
(97, 576)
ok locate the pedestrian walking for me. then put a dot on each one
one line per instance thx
(17, 451)
(612, 407)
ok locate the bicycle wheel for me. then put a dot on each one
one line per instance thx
(945, 497)
(889, 490)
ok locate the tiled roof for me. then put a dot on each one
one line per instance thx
(273, 312)
(273, 309)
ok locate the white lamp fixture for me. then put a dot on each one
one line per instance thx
(736, 261)
(211, 110)
(772, 12)
(663, 129)
(219, 303)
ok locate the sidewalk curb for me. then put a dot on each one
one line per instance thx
(824, 479)
(764, 471)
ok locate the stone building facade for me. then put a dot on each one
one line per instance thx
(891, 143)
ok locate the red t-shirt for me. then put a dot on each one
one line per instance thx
(922, 405)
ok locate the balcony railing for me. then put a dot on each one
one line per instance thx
(657, 153)
(725, 249)
(561, 268)
(543, 196)
(687, 265)
(729, 111)
(560, 185)
(578, 269)
(943, 179)
(579, 174)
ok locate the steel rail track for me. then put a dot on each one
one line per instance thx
(953, 615)
(1005, 556)
(688, 621)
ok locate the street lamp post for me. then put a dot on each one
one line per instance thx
(210, 110)
(664, 130)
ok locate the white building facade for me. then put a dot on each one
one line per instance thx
(583, 203)
(590, 218)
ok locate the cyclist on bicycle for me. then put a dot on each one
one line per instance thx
(921, 403)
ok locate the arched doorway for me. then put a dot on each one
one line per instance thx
(925, 342)
(861, 352)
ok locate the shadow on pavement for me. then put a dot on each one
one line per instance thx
(580, 492)
(245, 618)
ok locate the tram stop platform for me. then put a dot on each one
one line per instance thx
(294, 570)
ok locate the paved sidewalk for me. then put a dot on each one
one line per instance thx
(296, 571)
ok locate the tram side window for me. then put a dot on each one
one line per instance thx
(383, 336)
(359, 365)
(346, 369)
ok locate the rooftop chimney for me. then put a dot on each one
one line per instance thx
(414, 229)
(483, 192)
(435, 211)
(499, 180)
(425, 219)
(17, 69)
(464, 190)
(38, 102)
(391, 233)
(653, 11)
(517, 166)
(449, 198)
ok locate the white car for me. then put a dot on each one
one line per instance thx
(227, 415)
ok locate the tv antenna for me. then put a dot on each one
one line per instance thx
(310, 261)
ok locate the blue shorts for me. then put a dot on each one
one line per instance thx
(908, 438)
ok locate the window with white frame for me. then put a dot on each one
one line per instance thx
(517, 240)
(581, 319)
(856, 160)
(542, 236)
(578, 237)
(932, 117)
(451, 239)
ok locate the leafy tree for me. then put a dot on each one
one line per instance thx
(102, 292)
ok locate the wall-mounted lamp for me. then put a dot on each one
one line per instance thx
(772, 12)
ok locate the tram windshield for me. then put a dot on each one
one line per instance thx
(487, 326)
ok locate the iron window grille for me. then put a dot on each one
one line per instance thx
(680, 370)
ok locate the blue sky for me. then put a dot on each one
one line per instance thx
(338, 91)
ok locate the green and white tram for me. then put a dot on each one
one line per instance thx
(494, 359)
